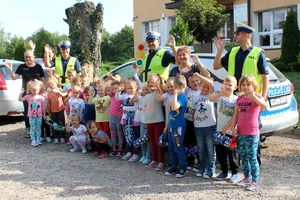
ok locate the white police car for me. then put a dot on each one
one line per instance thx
(281, 113)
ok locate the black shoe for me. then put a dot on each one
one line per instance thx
(171, 171)
(181, 173)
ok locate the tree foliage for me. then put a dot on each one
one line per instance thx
(181, 32)
(42, 37)
(117, 46)
(290, 38)
(204, 18)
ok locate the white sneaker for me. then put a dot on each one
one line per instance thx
(127, 156)
(62, 140)
(48, 139)
(74, 149)
(84, 151)
(234, 178)
(55, 141)
(134, 158)
(34, 143)
(252, 187)
(40, 142)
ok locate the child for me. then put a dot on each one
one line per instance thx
(190, 138)
(71, 73)
(245, 125)
(79, 134)
(115, 127)
(56, 108)
(205, 125)
(100, 142)
(75, 81)
(102, 102)
(176, 129)
(130, 120)
(225, 105)
(89, 111)
(36, 110)
(155, 123)
(76, 103)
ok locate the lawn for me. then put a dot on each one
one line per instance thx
(294, 77)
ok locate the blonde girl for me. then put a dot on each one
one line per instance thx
(36, 110)
(245, 125)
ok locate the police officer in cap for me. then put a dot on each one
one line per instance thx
(64, 62)
(244, 59)
(157, 60)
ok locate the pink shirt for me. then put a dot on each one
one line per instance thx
(115, 106)
(248, 113)
(35, 105)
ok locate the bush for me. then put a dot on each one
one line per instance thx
(294, 66)
(281, 66)
(275, 60)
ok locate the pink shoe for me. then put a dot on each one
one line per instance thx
(103, 155)
(160, 167)
(152, 164)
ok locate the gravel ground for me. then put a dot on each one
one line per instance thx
(51, 172)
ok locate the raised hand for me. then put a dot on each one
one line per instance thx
(171, 41)
(46, 48)
(31, 45)
(8, 65)
(219, 43)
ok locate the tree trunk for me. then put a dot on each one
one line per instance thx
(85, 30)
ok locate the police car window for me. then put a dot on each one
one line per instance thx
(5, 72)
(125, 71)
(275, 74)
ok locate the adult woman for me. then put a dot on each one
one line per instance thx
(29, 71)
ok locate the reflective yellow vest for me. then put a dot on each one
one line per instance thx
(249, 66)
(59, 67)
(155, 66)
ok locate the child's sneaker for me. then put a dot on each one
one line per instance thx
(252, 187)
(39, 142)
(199, 174)
(146, 161)
(134, 158)
(62, 140)
(48, 139)
(171, 171)
(74, 149)
(119, 154)
(207, 175)
(112, 154)
(234, 178)
(84, 151)
(244, 182)
(95, 153)
(181, 173)
(127, 156)
(34, 143)
(103, 155)
(142, 159)
(55, 141)
(221, 177)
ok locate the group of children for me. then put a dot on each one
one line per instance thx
(124, 115)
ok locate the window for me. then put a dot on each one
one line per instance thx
(151, 26)
(270, 25)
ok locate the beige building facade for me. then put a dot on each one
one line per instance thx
(266, 16)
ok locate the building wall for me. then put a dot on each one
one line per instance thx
(145, 10)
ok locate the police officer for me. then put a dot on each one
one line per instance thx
(64, 62)
(244, 59)
(157, 60)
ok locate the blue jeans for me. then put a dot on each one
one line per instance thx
(206, 147)
(35, 128)
(247, 146)
(175, 147)
(146, 147)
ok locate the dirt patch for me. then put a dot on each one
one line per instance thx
(52, 172)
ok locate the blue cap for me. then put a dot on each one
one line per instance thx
(240, 27)
(64, 44)
(152, 35)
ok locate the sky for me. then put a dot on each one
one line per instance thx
(24, 17)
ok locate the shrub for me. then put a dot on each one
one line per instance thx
(281, 66)
(294, 66)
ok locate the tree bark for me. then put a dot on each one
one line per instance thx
(85, 31)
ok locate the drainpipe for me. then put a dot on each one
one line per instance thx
(249, 10)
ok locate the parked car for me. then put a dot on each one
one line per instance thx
(281, 113)
(10, 90)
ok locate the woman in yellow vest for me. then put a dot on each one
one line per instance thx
(64, 62)
(157, 60)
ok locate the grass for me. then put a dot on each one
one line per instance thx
(107, 66)
(294, 78)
